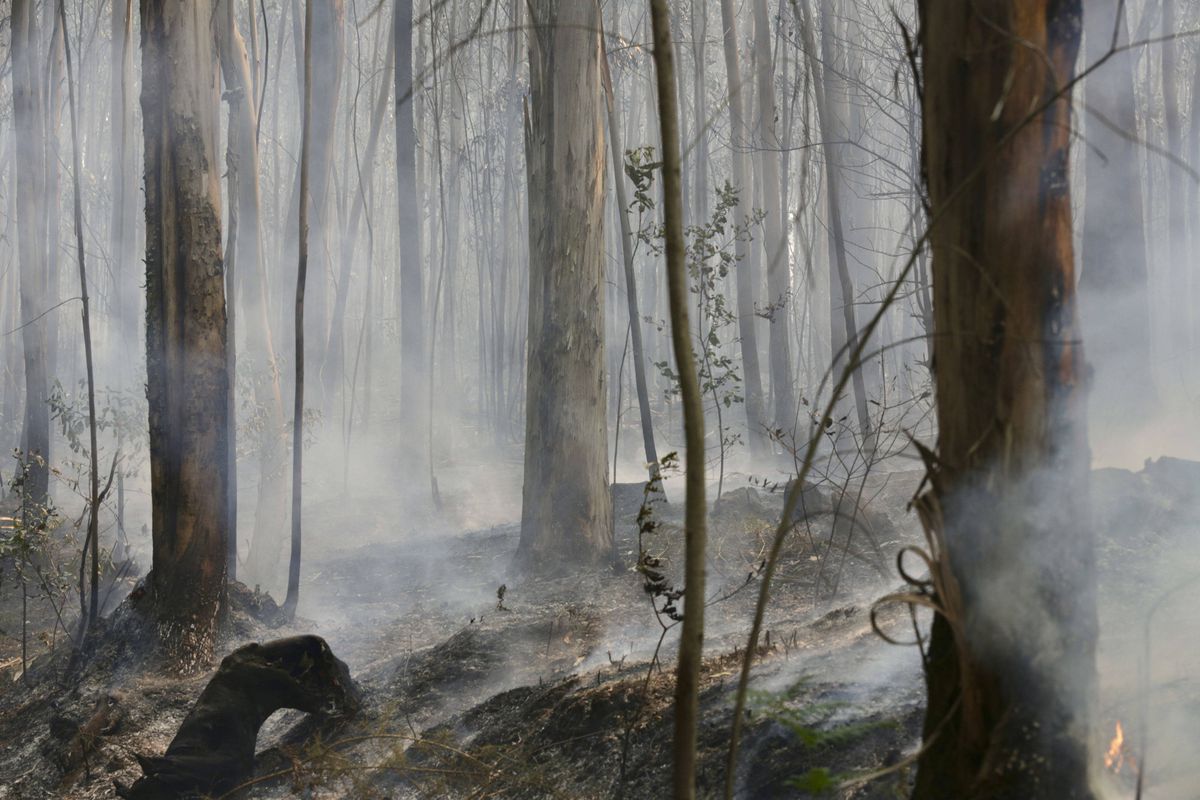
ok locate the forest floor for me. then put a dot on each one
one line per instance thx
(555, 688)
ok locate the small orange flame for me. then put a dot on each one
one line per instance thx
(1114, 759)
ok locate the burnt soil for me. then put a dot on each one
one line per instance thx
(562, 688)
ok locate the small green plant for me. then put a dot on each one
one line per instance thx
(711, 259)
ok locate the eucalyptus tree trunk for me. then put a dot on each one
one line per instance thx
(414, 418)
(187, 382)
(1007, 508)
(29, 123)
(747, 279)
(1114, 286)
(775, 246)
(292, 597)
(843, 321)
(243, 170)
(328, 48)
(1180, 272)
(566, 508)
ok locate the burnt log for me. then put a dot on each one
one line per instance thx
(213, 750)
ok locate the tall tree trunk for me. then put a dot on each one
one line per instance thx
(292, 598)
(93, 533)
(747, 280)
(187, 382)
(1010, 667)
(1179, 269)
(328, 47)
(775, 245)
(843, 321)
(566, 509)
(245, 194)
(29, 124)
(413, 374)
(691, 641)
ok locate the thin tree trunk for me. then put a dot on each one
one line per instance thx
(844, 333)
(293, 585)
(631, 296)
(93, 534)
(691, 641)
(747, 280)
(775, 245)
(122, 236)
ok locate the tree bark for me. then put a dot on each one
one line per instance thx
(775, 245)
(245, 194)
(414, 418)
(29, 124)
(1010, 667)
(187, 382)
(746, 277)
(292, 598)
(843, 320)
(691, 640)
(566, 510)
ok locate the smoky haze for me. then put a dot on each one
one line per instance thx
(422, 272)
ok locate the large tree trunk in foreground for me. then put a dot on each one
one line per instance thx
(187, 380)
(1011, 663)
(1115, 282)
(29, 122)
(213, 750)
(566, 509)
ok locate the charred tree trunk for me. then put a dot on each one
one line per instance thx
(1013, 575)
(187, 382)
(566, 508)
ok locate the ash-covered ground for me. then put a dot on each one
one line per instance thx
(563, 688)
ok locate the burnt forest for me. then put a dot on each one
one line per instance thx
(600, 399)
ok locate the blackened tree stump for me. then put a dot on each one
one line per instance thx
(213, 751)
